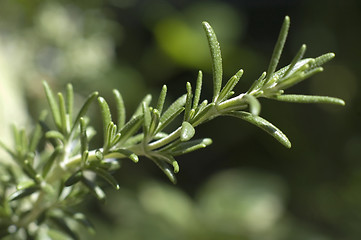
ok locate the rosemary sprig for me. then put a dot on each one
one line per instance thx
(54, 178)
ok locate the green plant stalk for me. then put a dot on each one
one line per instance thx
(69, 165)
(236, 103)
(74, 161)
(41, 203)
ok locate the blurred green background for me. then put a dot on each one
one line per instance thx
(245, 185)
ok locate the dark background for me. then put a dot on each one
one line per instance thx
(311, 191)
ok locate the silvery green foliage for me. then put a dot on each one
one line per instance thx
(37, 193)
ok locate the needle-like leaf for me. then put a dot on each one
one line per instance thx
(131, 127)
(172, 112)
(94, 189)
(187, 131)
(198, 118)
(69, 101)
(83, 139)
(106, 116)
(319, 61)
(154, 122)
(129, 154)
(295, 98)
(139, 111)
(84, 109)
(166, 168)
(161, 99)
(216, 59)
(25, 192)
(178, 104)
(169, 119)
(63, 225)
(81, 218)
(105, 175)
(37, 133)
(258, 83)
(74, 178)
(297, 78)
(147, 118)
(232, 82)
(49, 163)
(7, 149)
(121, 114)
(254, 105)
(188, 104)
(295, 60)
(53, 105)
(278, 48)
(65, 126)
(201, 107)
(55, 135)
(264, 125)
(197, 92)
(30, 171)
(190, 146)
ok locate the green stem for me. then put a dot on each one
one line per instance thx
(164, 141)
(42, 202)
(236, 103)
(76, 160)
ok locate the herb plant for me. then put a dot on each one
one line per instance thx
(54, 168)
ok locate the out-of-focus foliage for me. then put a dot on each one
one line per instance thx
(60, 42)
(322, 172)
(234, 204)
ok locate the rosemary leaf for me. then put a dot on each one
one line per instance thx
(94, 189)
(147, 118)
(190, 146)
(131, 127)
(257, 84)
(69, 101)
(105, 175)
(295, 60)
(129, 154)
(154, 122)
(25, 192)
(232, 82)
(139, 110)
(37, 133)
(53, 105)
(278, 48)
(84, 109)
(63, 114)
(167, 170)
(106, 116)
(216, 59)
(188, 104)
(264, 125)
(187, 131)
(319, 61)
(254, 105)
(197, 93)
(74, 178)
(83, 138)
(60, 222)
(295, 98)
(161, 99)
(121, 114)
(50, 161)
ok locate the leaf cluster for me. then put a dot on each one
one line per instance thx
(55, 169)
